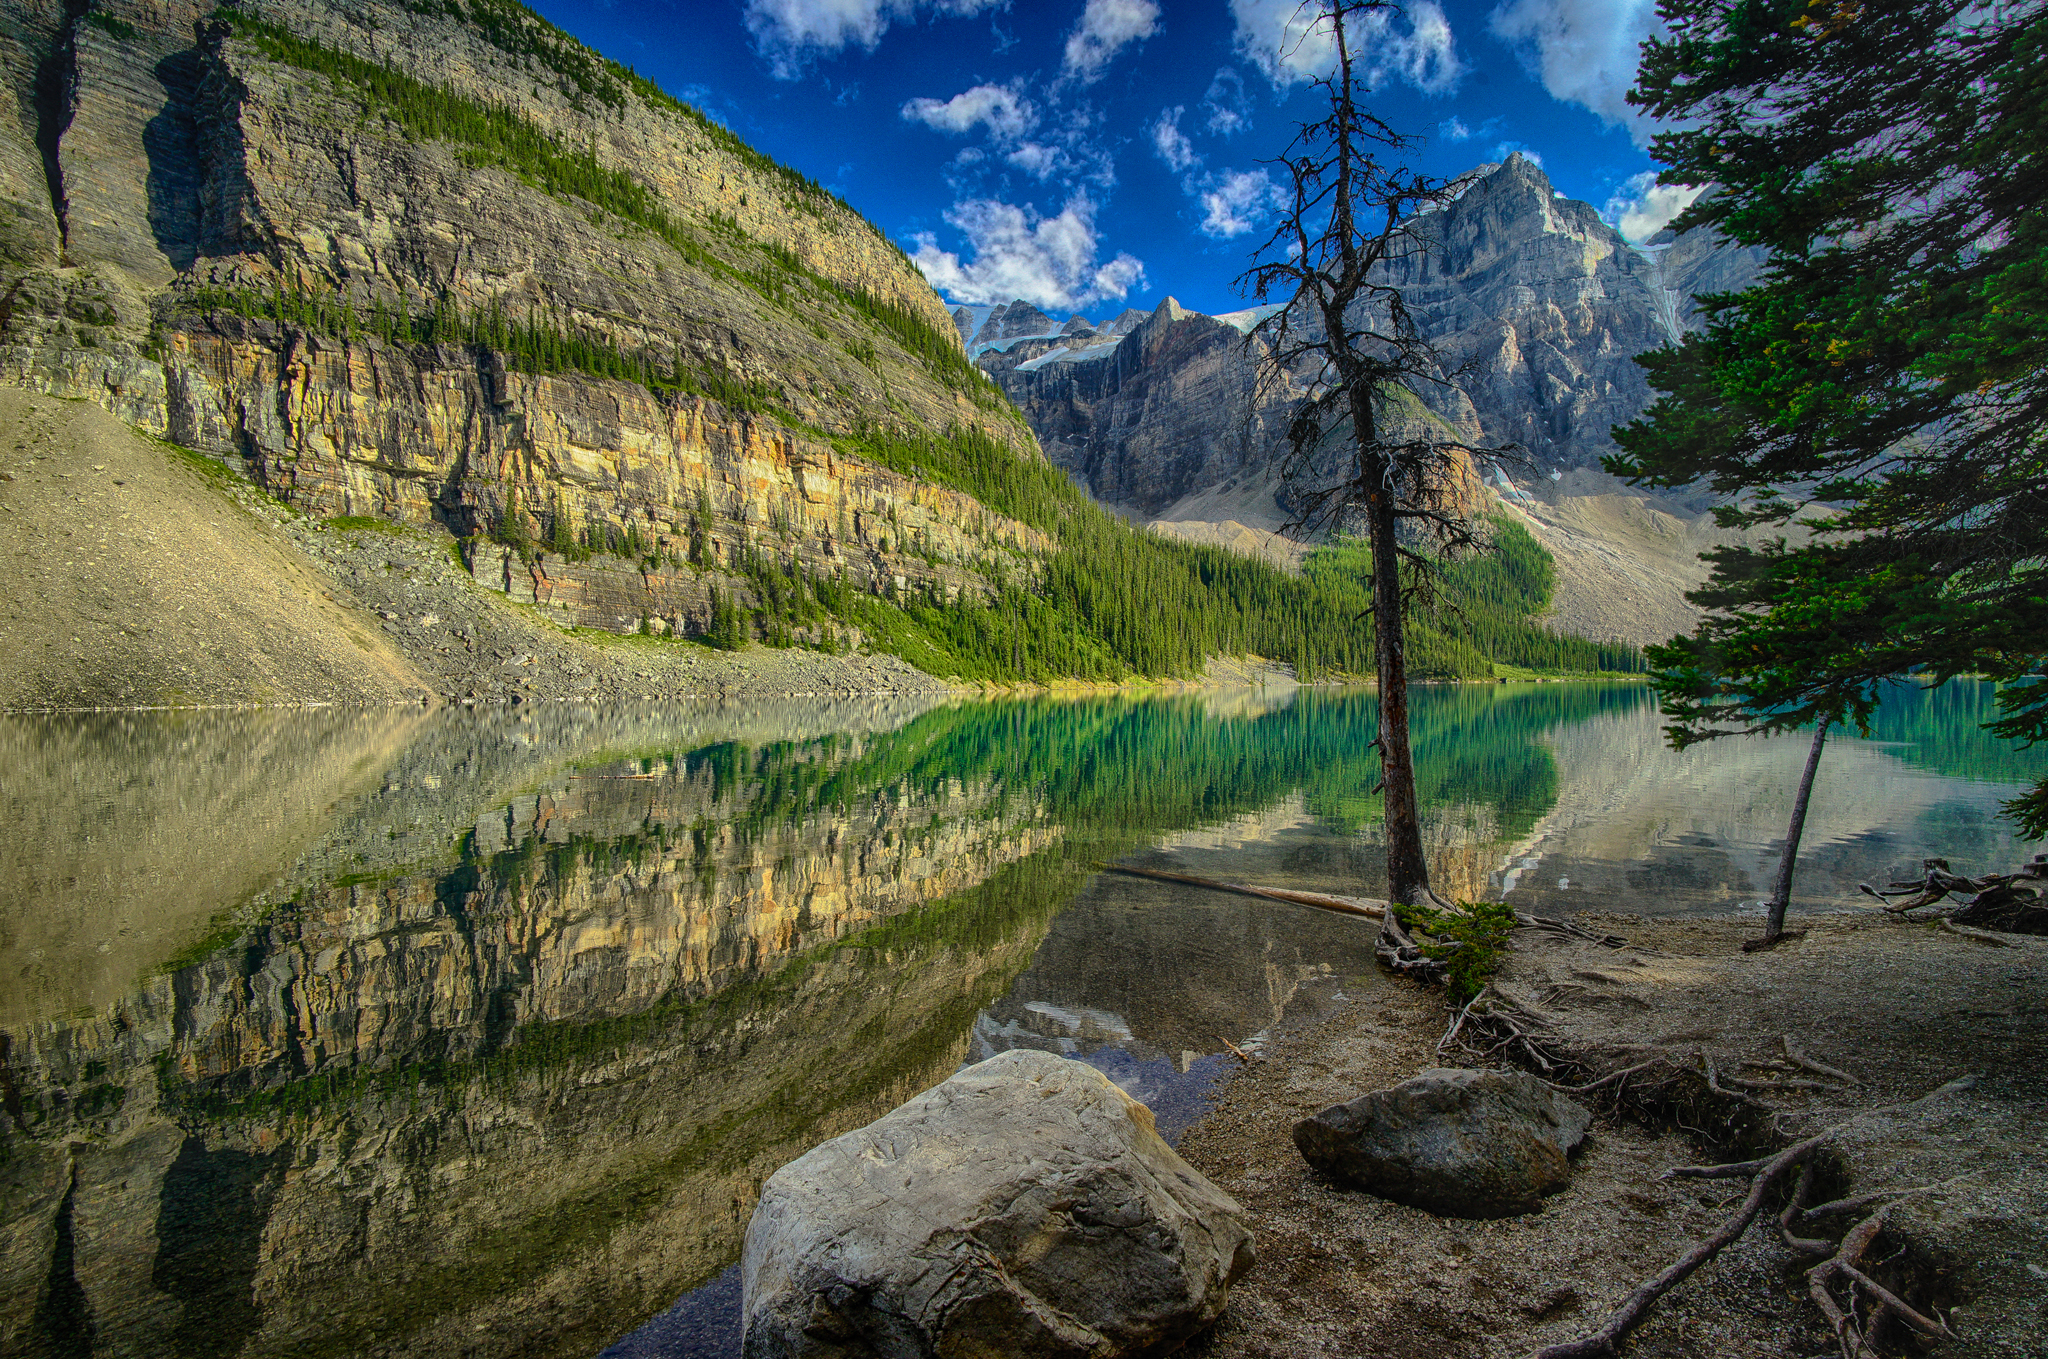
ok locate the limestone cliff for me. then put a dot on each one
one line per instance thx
(433, 261)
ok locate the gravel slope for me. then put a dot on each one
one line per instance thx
(141, 576)
(133, 581)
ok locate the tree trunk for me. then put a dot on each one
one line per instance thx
(1407, 870)
(1781, 891)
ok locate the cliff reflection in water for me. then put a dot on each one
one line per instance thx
(477, 1032)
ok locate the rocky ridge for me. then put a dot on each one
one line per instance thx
(238, 230)
(296, 610)
(1538, 303)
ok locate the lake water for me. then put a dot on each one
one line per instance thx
(476, 1032)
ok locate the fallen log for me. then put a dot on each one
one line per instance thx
(1322, 901)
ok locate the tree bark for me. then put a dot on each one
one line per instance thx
(1781, 890)
(1407, 869)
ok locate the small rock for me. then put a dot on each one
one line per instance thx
(1026, 1206)
(1452, 1142)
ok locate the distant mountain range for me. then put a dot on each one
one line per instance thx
(1538, 306)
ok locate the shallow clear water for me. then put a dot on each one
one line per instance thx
(402, 1032)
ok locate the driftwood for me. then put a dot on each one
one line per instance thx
(2009, 902)
(1852, 1301)
(1371, 908)
(1322, 901)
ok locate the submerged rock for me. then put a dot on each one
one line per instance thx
(1456, 1143)
(1026, 1206)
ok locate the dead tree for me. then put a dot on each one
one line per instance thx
(1353, 212)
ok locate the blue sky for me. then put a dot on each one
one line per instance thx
(1092, 155)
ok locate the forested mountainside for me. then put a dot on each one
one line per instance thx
(433, 263)
(1539, 309)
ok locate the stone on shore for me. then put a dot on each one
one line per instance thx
(1453, 1142)
(1026, 1206)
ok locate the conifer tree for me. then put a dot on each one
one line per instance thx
(1886, 383)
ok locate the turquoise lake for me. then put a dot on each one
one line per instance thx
(476, 1031)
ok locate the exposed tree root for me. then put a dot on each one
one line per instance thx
(1772, 941)
(1799, 1059)
(1948, 925)
(1854, 1304)
(1867, 1302)
(1763, 1178)
(1397, 949)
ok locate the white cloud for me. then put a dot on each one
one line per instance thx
(1042, 162)
(1017, 135)
(1583, 51)
(1456, 129)
(1642, 207)
(1050, 262)
(790, 34)
(1238, 201)
(1503, 150)
(1171, 143)
(1288, 41)
(1229, 111)
(1106, 28)
(1002, 109)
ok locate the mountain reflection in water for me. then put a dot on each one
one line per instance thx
(477, 1032)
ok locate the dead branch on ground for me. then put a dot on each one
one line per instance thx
(2007, 902)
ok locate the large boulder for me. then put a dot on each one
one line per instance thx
(1457, 1143)
(1024, 1207)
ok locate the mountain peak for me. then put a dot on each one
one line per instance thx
(1017, 319)
(1518, 168)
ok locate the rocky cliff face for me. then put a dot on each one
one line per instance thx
(1148, 417)
(1540, 303)
(437, 262)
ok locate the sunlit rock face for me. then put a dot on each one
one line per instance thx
(182, 155)
(1537, 306)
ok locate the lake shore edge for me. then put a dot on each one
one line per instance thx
(1342, 1272)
